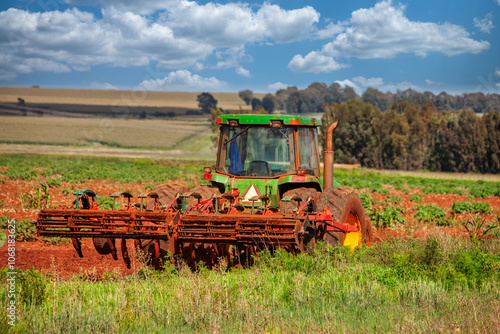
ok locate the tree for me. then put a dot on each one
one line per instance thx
(269, 103)
(377, 98)
(352, 140)
(206, 102)
(256, 103)
(246, 95)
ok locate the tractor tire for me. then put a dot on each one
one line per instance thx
(166, 193)
(307, 241)
(303, 193)
(345, 207)
(205, 192)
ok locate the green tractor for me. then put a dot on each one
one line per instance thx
(266, 191)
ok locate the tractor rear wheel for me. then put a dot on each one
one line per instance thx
(166, 193)
(303, 193)
(205, 191)
(346, 207)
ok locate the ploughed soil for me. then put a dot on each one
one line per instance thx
(62, 260)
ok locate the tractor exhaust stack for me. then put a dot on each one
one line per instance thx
(328, 161)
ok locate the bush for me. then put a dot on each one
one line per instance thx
(388, 216)
(463, 207)
(431, 213)
(415, 198)
(366, 200)
(25, 228)
(106, 203)
(54, 183)
(394, 199)
(481, 207)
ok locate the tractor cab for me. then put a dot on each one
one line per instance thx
(268, 154)
(267, 146)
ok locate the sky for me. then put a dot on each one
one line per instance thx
(229, 46)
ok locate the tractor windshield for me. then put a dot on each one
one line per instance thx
(266, 152)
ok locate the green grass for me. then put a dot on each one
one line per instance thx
(415, 285)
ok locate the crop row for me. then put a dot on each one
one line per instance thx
(77, 170)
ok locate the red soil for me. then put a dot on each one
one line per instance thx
(62, 260)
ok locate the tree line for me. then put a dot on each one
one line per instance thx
(311, 100)
(409, 136)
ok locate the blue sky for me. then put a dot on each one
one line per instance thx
(177, 45)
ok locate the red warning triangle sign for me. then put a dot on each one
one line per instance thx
(249, 193)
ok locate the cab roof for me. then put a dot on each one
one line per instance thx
(268, 120)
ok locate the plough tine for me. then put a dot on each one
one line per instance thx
(78, 246)
(125, 256)
(111, 244)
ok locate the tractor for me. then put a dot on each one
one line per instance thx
(265, 191)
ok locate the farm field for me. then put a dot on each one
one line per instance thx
(424, 272)
(63, 135)
(116, 97)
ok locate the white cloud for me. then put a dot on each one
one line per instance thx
(243, 72)
(383, 31)
(183, 80)
(349, 83)
(430, 82)
(497, 70)
(331, 30)
(284, 26)
(485, 25)
(180, 35)
(371, 82)
(314, 62)
(360, 83)
(274, 87)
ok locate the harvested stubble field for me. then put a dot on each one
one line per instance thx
(116, 97)
(147, 138)
(424, 273)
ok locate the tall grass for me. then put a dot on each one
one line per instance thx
(391, 287)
